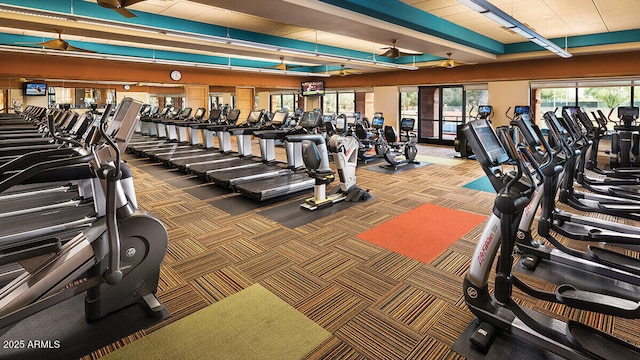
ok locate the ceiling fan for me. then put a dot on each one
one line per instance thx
(59, 44)
(120, 6)
(284, 67)
(344, 72)
(450, 63)
(393, 52)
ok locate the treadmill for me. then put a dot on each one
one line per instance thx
(191, 133)
(163, 138)
(177, 135)
(287, 183)
(269, 167)
(245, 157)
(208, 152)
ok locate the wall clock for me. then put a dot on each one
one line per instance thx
(176, 75)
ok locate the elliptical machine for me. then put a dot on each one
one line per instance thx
(397, 152)
(625, 142)
(120, 254)
(461, 144)
(500, 312)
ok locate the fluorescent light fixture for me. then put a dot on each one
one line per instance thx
(492, 12)
(500, 20)
(522, 33)
(200, 37)
(540, 42)
(134, 59)
(473, 5)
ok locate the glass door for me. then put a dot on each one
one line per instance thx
(440, 110)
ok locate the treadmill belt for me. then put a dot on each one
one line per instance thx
(229, 177)
(22, 223)
(265, 189)
(29, 202)
(203, 169)
(197, 157)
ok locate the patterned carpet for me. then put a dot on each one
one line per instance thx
(377, 304)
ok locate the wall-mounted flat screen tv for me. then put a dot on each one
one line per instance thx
(312, 88)
(34, 89)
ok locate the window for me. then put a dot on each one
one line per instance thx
(329, 102)
(283, 101)
(339, 102)
(475, 98)
(590, 95)
(409, 105)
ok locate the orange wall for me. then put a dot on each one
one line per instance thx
(579, 66)
(16, 66)
(58, 67)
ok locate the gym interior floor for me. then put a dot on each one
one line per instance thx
(213, 254)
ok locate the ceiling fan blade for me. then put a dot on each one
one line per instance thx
(126, 3)
(124, 12)
(281, 66)
(55, 44)
(73, 48)
(400, 53)
(391, 53)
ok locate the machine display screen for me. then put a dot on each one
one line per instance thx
(309, 119)
(485, 109)
(254, 116)
(279, 117)
(406, 124)
(492, 147)
(628, 111)
(521, 109)
(377, 122)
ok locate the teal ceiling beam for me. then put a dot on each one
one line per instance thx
(106, 49)
(398, 13)
(90, 9)
(610, 38)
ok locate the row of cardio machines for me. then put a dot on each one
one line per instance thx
(526, 171)
(204, 148)
(96, 242)
(377, 140)
(625, 139)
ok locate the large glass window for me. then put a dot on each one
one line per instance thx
(346, 102)
(475, 98)
(409, 105)
(330, 102)
(555, 98)
(452, 112)
(604, 95)
(283, 101)
(608, 97)
(339, 102)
